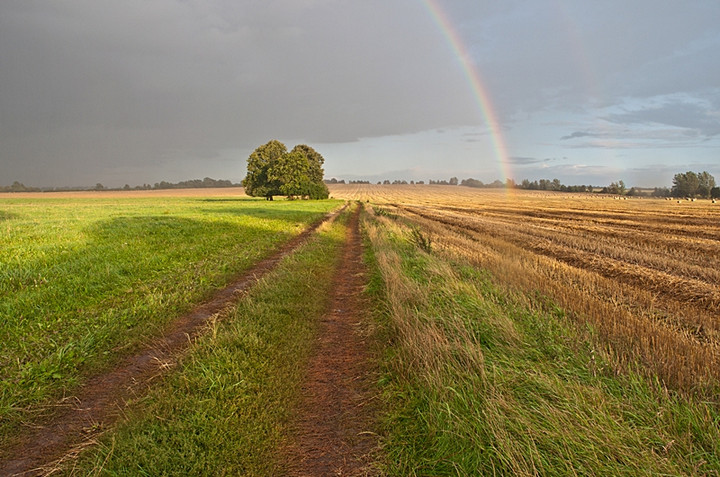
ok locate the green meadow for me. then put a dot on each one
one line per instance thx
(84, 282)
(227, 409)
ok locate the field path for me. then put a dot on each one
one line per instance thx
(333, 429)
(101, 400)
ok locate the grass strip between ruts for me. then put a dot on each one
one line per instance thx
(226, 409)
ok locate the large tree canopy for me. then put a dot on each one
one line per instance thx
(690, 184)
(272, 170)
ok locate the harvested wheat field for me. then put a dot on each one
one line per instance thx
(644, 272)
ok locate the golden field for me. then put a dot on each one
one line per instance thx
(643, 273)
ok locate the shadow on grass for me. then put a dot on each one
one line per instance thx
(161, 227)
(82, 309)
(227, 199)
(6, 215)
(286, 211)
(248, 198)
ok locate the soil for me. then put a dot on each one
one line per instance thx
(333, 432)
(79, 419)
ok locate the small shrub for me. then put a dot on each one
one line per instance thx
(384, 213)
(420, 240)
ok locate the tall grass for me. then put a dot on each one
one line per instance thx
(85, 281)
(483, 381)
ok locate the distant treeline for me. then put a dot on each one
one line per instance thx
(554, 185)
(19, 187)
(688, 184)
(191, 184)
(342, 181)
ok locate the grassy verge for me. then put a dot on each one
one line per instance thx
(226, 409)
(84, 281)
(481, 381)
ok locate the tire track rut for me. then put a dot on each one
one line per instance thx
(333, 431)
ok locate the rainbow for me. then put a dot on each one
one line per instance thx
(479, 90)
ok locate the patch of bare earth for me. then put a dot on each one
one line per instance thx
(333, 431)
(100, 402)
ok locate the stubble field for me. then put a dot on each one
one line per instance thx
(645, 272)
(547, 334)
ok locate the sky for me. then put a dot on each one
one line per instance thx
(141, 91)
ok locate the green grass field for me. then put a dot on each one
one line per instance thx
(85, 281)
(227, 408)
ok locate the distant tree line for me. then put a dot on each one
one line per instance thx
(194, 184)
(342, 181)
(19, 187)
(687, 184)
(191, 184)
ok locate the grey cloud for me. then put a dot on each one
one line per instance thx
(699, 119)
(476, 136)
(578, 134)
(87, 83)
(595, 52)
(97, 89)
(525, 160)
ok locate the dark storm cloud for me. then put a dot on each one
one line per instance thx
(91, 85)
(144, 90)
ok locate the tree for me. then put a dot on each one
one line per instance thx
(315, 162)
(690, 184)
(617, 188)
(685, 184)
(472, 182)
(706, 182)
(272, 170)
(661, 192)
(295, 171)
(257, 182)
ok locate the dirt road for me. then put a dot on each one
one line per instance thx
(335, 420)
